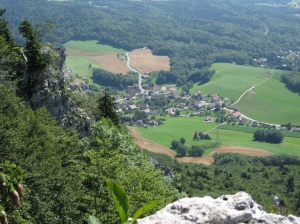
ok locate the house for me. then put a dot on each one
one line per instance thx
(163, 89)
(235, 114)
(230, 107)
(181, 106)
(154, 112)
(211, 106)
(295, 129)
(282, 128)
(243, 121)
(152, 123)
(140, 123)
(132, 107)
(144, 106)
(215, 97)
(255, 124)
(116, 97)
(200, 105)
(203, 97)
(173, 90)
(147, 111)
(145, 86)
(209, 119)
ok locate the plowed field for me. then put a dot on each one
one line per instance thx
(111, 63)
(206, 160)
(144, 61)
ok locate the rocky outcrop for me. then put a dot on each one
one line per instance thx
(167, 171)
(52, 90)
(227, 209)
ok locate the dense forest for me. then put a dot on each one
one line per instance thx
(261, 177)
(292, 81)
(192, 33)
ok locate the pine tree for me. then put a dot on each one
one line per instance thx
(107, 108)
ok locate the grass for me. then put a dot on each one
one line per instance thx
(289, 145)
(92, 46)
(80, 66)
(176, 128)
(272, 102)
(78, 61)
(232, 80)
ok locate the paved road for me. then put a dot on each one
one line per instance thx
(132, 69)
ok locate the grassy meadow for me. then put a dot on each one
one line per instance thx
(272, 102)
(92, 46)
(78, 56)
(80, 65)
(177, 127)
(233, 80)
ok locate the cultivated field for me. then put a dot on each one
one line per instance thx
(206, 160)
(144, 61)
(241, 150)
(111, 63)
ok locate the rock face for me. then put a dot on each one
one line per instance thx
(52, 91)
(227, 209)
(167, 171)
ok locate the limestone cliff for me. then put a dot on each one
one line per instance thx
(227, 209)
(52, 89)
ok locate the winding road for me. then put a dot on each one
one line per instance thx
(132, 69)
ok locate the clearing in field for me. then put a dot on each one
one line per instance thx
(144, 61)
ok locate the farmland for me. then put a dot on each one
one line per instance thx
(272, 102)
(144, 61)
(233, 80)
(82, 53)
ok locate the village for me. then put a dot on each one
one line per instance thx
(141, 107)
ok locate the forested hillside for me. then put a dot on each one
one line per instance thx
(50, 175)
(192, 33)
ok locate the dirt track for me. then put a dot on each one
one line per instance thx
(144, 61)
(206, 160)
(111, 63)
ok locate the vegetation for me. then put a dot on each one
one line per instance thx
(292, 81)
(261, 177)
(119, 81)
(271, 136)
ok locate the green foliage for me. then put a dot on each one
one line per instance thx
(261, 177)
(120, 199)
(107, 109)
(292, 80)
(271, 136)
(119, 81)
(93, 220)
(122, 203)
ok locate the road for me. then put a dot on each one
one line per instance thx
(132, 69)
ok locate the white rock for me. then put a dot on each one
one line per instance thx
(227, 209)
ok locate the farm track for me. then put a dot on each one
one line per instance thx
(205, 160)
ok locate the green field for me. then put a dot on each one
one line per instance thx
(176, 128)
(80, 65)
(92, 46)
(289, 146)
(272, 102)
(79, 61)
(232, 80)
